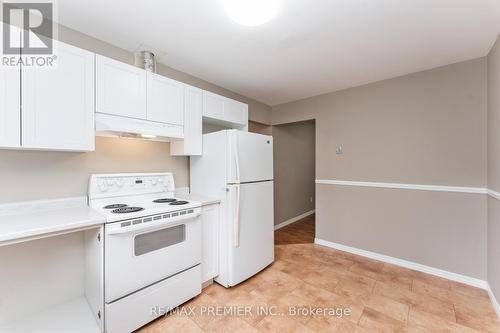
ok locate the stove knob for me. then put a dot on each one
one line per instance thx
(160, 180)
(103, 187)
(119, 183)
(154, 181)
(110, 181)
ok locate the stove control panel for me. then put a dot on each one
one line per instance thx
(108, 185)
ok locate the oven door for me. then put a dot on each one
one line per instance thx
(139, 256)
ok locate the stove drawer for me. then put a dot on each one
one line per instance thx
(138, 309)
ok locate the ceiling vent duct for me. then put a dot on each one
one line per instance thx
(148, 61)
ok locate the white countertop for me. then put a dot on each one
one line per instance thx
(200, 198)
(37, 219)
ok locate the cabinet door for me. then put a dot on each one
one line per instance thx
(213, 105)
(210, 256)
(235, 112)
(193, 109)
(120, 88)
(58, 103)
(10, 107)
(165, 102)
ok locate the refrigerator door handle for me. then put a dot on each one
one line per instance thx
(236, 226)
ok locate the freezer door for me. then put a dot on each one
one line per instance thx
(252, 232)
(250, 157)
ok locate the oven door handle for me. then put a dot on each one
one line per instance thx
(171, 222)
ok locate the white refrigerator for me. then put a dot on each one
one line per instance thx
(237, 168)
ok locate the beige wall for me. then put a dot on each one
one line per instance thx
(439, 229)
(422, 128)
(294, 167)
(494, 168)
(256, 127)
(27, 175)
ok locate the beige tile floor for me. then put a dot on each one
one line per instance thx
(372, 297)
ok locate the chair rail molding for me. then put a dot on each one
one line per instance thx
(421, 187)
(494, 194)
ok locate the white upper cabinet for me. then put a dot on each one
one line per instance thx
(193, 109)
(220, 109)
(213, 105)
(10, 107)
(10, 104)
(120, 88)
(165, 100)
(235, 112)
(58, 102)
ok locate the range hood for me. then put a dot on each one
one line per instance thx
(118, 126)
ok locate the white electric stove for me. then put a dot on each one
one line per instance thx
(152, 247)
(128, 196)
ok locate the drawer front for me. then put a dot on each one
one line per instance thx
(138, 309)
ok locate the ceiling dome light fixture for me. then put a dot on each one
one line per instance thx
(251, 12)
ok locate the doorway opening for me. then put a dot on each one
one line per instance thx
(294, 182)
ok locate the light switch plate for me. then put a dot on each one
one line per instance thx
(339, 150)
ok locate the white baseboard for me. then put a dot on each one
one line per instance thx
(494, 301)
(407, 264)
(294, 219)
(207, 283)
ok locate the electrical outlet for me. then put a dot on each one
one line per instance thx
(310, 199)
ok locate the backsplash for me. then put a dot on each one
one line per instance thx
(37, 175)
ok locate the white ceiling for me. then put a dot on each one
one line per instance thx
(311, 47)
